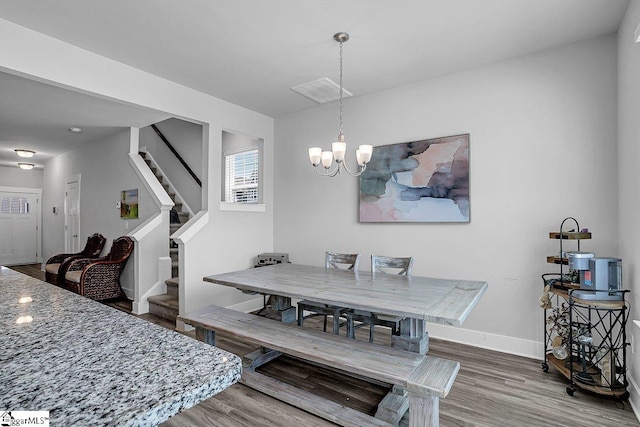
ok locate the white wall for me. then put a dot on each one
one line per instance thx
(186, 138)
(542, 147)
(104, 172)
(16, 177)
(229, 240)
(629, 180)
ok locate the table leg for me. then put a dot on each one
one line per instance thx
(206, 335)
(281, 309)
(424, 411)
(413, 336)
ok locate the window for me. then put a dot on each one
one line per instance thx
(242, 177)
(242, 173)
(14, 205)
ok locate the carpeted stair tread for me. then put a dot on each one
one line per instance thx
(174, 281)
(165, 306)
(165, 300)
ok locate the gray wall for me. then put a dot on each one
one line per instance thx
(542, 147)
(16, 177)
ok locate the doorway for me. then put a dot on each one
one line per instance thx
(20, 213)
(72, 214)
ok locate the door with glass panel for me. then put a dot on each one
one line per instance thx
(18, 228)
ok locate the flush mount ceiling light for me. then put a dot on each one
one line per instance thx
(75, 129)
(26, 166)
(24, 153)
(338, 148)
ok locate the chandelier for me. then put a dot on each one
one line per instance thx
(338, 149)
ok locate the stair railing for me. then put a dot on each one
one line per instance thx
(166, 180)
(178, 156)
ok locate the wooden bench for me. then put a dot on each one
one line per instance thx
(418, 381)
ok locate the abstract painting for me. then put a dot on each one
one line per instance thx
(420, 181)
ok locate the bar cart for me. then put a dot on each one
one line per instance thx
(584, 338)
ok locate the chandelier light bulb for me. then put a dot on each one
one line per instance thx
(339, 149)
(365, 152)
(315, 154)
(327, 158)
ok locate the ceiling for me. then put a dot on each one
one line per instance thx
(251, 52)
(37, 116)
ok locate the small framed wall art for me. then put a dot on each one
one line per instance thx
(129, 204)
(419, 181)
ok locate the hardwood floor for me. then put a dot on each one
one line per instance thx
(492, 389)
(33, 270)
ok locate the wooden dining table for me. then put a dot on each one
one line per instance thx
(417, 300)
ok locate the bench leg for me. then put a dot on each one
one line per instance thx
(424, 411)
(413, 336)
(394, 405)
(257, 358)
(206, 335)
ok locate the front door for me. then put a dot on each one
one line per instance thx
(18, 227)
(72, 215)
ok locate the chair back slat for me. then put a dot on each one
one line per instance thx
(95, 244)
(380, 264)
(342, 261)
(120, 249)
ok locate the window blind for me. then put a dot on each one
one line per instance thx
(242, 177)
(14, 205)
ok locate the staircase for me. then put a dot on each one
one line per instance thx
(167, 306)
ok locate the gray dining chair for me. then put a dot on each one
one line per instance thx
(379, 265)
(332, 260)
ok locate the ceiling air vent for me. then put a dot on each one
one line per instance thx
(321, 90)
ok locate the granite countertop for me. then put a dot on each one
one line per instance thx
(90, 364)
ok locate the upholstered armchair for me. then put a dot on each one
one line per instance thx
(99, 278)
(57, 265)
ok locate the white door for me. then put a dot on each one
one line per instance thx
(72, 216)
(18, 228)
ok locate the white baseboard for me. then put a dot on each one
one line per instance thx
(501, 343)
(139, 307)
(634, 396)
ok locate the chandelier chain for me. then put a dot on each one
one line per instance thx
(322, 160)
(341, 119)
